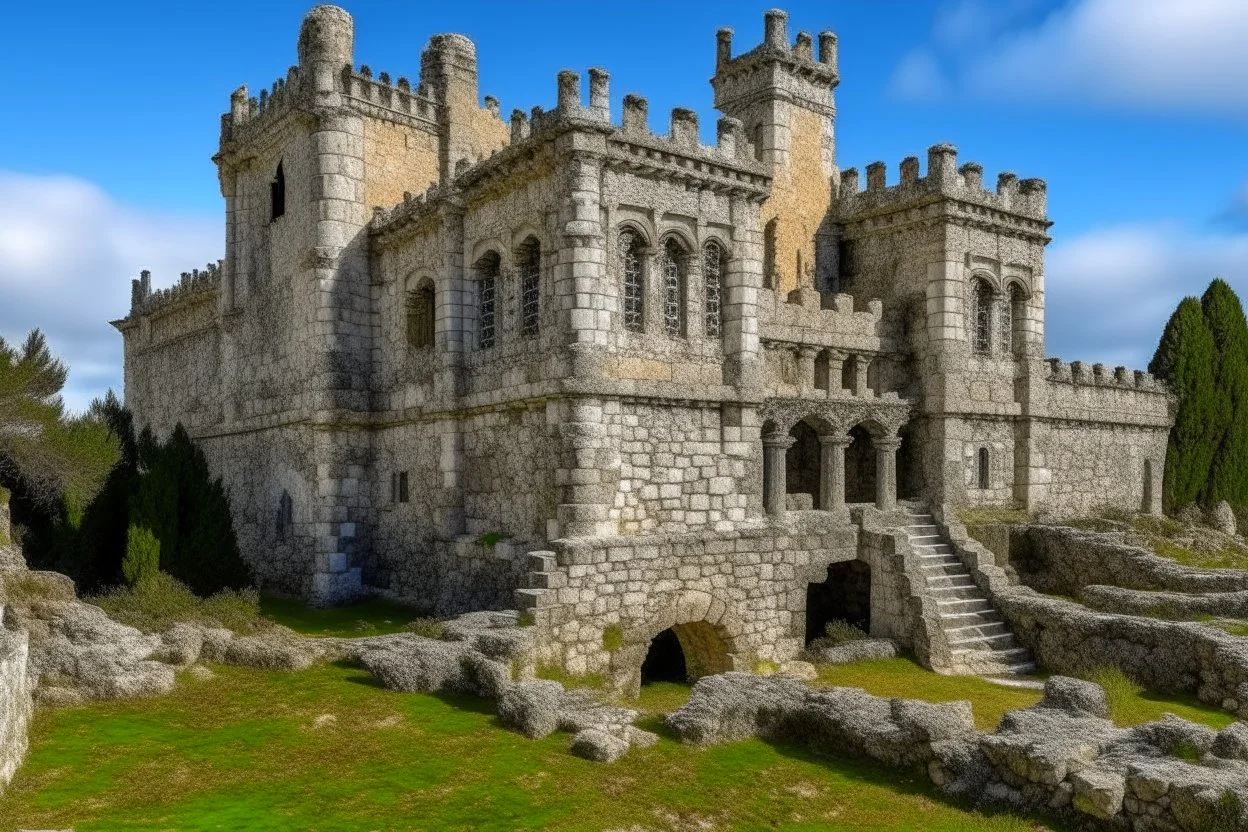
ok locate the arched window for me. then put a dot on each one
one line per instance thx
(530, 265)
(631, 247)
(420, 315)
(981, 468)
(713, 263)
(982, 312)
(277, 194)
(770, 279)
(1014, 315)
(673, 267)
(487, 287)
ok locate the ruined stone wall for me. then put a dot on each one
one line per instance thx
(16, 704)
(747, 587)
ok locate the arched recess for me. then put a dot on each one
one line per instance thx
(802, 462)
(910, 485)
(982, 295)
(844, 595)
(487, 269)
(631, 248)
(708, 635)
(860, 464)
(421, 313)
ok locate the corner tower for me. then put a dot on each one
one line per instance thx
(783, 95)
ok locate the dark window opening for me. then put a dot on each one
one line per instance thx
(277, 194)
(285, 515)
(712, 280)
(801, 462)
(398, 487)
(844, 596)
(982, 311)
(530, 288)
(674, 268)
(665, 660)
(631, 248)
(487, 269)
(420, 316)
(982, 472)
(845, 266)
(860, 467)
(770, 278)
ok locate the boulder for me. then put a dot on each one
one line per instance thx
(181, 644)
(599, 746)
(1231, 743)
(1222, 518)
(416, 664)
(532, 708)
(735, 705)
(856, 651)
(1099, 792)
(1066, 693)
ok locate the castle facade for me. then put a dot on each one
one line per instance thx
(628, 380)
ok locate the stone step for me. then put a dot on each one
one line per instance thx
(931, 528)
(965, 606)
(967, 593)
(938, 559)
(950, 569)
(961, 577)
(997, 643)
(989, 615)
(985, 629)
(917, 540)
(548, 580)
(933, 548)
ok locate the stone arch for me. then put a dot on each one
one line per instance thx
(710, 636)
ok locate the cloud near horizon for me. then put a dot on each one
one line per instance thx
(1141, 55)
(68, 251)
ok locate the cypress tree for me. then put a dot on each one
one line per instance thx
(1225, 317)
(1185, 359)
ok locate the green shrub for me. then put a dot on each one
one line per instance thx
(156, 604)
(612, 637)
(836, 633)
(765, 667)
(490, 539)
(425, 626)
(554, 673)
(526, 619)
(142, 560)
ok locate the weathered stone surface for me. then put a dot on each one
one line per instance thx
(414, 664)
(854, 651)
(1099, 792)
(1070, 694)
(532, 708)
(598, 745)
(1222, 518)
(16, 702)
(1231, 742)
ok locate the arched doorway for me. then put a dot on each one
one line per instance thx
(665, 660)
(801, 463)
(860, 466)
(845, 595)
(909, 464)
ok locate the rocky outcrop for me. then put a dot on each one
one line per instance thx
(1063, 560)
(1061, 757)
(16, 703)
(1175, 605)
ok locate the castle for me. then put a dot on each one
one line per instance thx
(630, 381)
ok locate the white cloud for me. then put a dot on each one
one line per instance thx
(1110, 291)
(1138, 54)
(67, 254)
(919, 76)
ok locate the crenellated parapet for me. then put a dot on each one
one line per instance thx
(1022, 200)
(808, 318)
(1079, 373)
(805, 77)
(394, 101)
(197, 282)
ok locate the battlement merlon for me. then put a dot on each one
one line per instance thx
(729, 166)
(196, 283)
(944, 180)
(776, 68)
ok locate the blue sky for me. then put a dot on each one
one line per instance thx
(1134, 111)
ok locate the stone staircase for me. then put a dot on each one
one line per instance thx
(978, 638)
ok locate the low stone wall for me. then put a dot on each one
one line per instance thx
(16, 703)
(1062, 757)
(1063, 560)
(1167, 656)
(1174, 605)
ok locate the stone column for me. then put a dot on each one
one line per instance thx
(832, 471)
(836, 366)
(886, 473)
(775, 486)
(860, 374)
(806, 368)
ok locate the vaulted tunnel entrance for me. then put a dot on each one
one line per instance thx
(685, 652)
(844, 596)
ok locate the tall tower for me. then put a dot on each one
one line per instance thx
(783, 96)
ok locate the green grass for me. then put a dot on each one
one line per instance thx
(160, 601)
(1130, 704)
(327, 749)
(375, 616)
(985, 516)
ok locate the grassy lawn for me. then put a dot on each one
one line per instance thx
(373, 617)
(329, 749)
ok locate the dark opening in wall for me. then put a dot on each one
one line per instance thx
(277, 194)
(860, 467)
(802, 463)
(982, 471)
(398, 487)
(844, 596)
(665, 660)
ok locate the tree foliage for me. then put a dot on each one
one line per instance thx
(1228, 478)
(1185, 359)
(142, 561)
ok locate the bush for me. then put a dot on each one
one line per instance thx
(424, 626)
(156, 604)
(612, 637)
(142, 560)
(836, 633)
